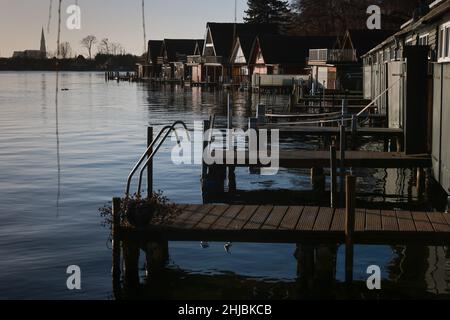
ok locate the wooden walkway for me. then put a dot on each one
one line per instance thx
(296, 224)
(332, 131)
(354, 159)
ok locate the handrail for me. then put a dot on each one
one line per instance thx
(136, 167)
(156, 150)
(378, 97)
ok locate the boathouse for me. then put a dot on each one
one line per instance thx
(194, 63)
(152, 69)
(283, 56)
(407, 74)
(219, 41)
(340, 67)
(174, 55)
(240, 58)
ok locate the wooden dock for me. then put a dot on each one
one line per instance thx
(295, 224)
(353, 159)
(332, 131)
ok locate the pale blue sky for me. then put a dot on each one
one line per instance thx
(119, 20)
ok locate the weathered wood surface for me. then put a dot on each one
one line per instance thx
(296, 224)
(362, 159)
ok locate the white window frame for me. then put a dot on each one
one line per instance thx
(424, 36)
(409, 41)
(444, 42)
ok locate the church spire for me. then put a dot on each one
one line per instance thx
(43, 46)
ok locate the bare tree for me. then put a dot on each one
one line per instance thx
(117, 49)
(65, 50)
(88, 42)
(105, 46)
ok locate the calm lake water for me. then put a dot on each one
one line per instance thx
(62, 160)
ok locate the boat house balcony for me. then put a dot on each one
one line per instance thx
(212, 60)
(324, 56)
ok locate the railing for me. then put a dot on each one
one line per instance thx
(194, 59)
(166, 130)
(332, 55)
(212, 59)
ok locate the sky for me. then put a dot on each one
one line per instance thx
(120, 21)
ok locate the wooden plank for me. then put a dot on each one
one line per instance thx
(422, 222)
(184, 213)
(405, 221)
(438, 221)
(291, 218)
(170, 218)
(360, 220)
(195, 217)
(258, 218)
(447, 217)
(212, 217)
(373, 220)
(307, 219)
(241, 219)
(275, 218)
(324, 219)
(227, 217)
(389, 220)
(338, 223)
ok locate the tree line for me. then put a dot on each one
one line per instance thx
(329, 17)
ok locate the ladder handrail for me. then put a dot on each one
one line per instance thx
(154, 153)
(139, 162)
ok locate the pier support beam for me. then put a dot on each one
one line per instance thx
(421, 176)
(350, 204)
(333, 177)
(318, 182)
(116, 270)
(305, 264)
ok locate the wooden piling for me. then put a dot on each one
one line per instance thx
(333, 175)
(350, 204)
(420, 181)
(116, 245)
(342, 160)
(150, 164)
(354, 129)
(206, 124)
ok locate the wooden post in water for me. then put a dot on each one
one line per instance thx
(342, 160)
(333, 174)
(354, 129)
(420, 181)
(206, 124)
(116, 246)
(350, 204)
(150, 164)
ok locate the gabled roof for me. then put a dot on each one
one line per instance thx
(437, 11)
(364, 40)
(291, 49)
(154, 50)
(223, 34)
(199, 47)
(246, 44)
(175, 47)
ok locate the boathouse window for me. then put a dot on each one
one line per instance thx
(423, 39)
(444, 43)
(409, 41)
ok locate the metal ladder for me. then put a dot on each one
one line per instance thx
(166, 131)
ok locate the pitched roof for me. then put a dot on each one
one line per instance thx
(175, 47)
(154, 50)
(291, 49)
(223, 34)
(246, 43)
(436, 12)
(364, 40)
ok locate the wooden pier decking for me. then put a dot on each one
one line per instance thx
(295, 224)
(332, 131)
(365, 159)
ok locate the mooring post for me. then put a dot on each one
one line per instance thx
(342, 160)
(206, 124)
(150, 164)
(350, 204)
(333, 173)
(115, 229)
(420, 181)
(229, 113)
(261, 113)
(354, 129)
